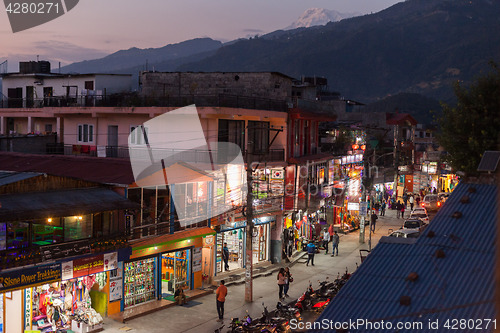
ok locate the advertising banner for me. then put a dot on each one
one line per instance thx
(90, 265)
(29, 277)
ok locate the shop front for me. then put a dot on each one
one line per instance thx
(160, 265)
(234, 235)
(72, 295)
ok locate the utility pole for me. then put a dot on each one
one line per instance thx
(249, 229)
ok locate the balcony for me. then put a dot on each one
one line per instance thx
(136, 100)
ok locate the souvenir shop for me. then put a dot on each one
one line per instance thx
(72, 295)
(158, 266)
(234, 234)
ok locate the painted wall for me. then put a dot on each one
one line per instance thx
(14, 312)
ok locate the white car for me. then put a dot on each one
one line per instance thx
(406, 233)
(420, 215)
(419, 210)
(413, 223)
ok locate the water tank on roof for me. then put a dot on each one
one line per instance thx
(29, 67)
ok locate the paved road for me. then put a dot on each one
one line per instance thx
(202, 316)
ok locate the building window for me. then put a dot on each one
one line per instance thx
(48, 128)
(232, 131)
(85, 133)
(137, 137)
(258, 137)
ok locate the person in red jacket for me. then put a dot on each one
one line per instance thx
(220, 294)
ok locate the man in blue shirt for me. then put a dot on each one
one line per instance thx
(311, 250)
(225, 256)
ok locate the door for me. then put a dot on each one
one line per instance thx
(176, 270)
(30, 96)
(112, 148)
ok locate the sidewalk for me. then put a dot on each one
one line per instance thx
(200, 314)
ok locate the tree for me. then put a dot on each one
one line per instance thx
(472, 125)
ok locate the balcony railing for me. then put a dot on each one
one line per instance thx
(136, 100)
(194, 156)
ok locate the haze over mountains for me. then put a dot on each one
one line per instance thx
(417, 46)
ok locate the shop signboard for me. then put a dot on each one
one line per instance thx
(28, 311)
(1, 313)
(363, 208)
(64, 250)
(89, 265)
(197, 259)
(353, 206)
(116, 283)
(29, 277)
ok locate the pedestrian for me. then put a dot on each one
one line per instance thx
(335, 243)
(311, 250)
(418, 200)
(405, 199)
(326, 239)
(382, 209)
(398, 209)
(220, 295)
(225, 256)
(281, 282)
(288, 280)
(411, 202)
(402, 211)
(373, 221)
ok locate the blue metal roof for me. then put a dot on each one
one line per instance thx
(9, 177)
(460, 285)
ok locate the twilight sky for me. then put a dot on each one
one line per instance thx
(95, 28)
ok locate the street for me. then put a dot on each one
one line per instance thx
(201, 314)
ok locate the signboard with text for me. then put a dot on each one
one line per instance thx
(89, 265)
(28, 277)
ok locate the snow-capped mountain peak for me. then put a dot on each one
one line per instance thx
(319, 16)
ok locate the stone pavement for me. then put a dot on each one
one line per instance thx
(200, 316)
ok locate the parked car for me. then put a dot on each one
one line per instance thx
(431, 202)
(443, 196)
(415, 223)
(420, 210)
(419, 214)
(406, 233)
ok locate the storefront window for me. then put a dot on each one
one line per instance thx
(3, 236)
(77, 227)
(140, 281)
(47, 234)
(64, 305)
(234, 239)
(17, 235)
(175, 270)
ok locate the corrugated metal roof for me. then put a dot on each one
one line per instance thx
(94, 169)
(39, 205)
(461, 285)
(489, 161)
(9, 177)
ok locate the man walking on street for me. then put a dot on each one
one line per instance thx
(326, 239)
(335, 243)
(398, 209)
(411, 202)
(220, 294)
(311, 250)
(373, 221)
(382, 209)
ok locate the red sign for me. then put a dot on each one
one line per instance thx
(87, 266)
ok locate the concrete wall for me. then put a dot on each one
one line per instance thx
(112, 84)
(262, 85)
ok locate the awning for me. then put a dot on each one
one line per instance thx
(40, 205)
(164, 239)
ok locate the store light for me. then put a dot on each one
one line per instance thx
(189, 241)
(156, 247)
(49, 219)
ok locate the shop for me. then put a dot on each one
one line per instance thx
(160, 265)
(73, 295)
(234, 235)
(176, 270)
(139, 279)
